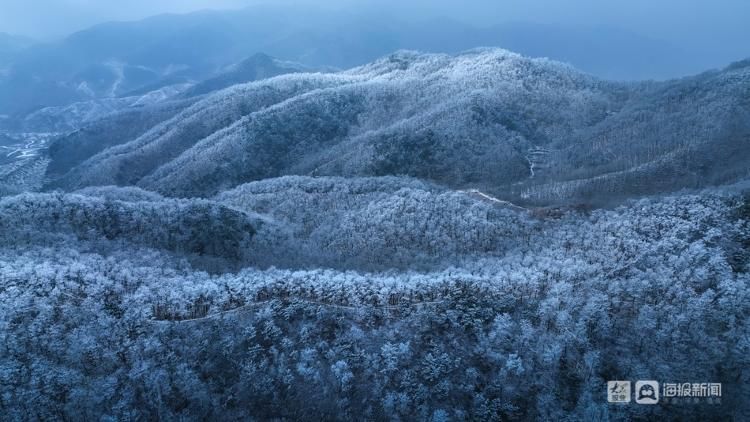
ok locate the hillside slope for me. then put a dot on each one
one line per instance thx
(342, 290)
(418, 115)
(524, 129)
(100, 124)
(257, 67)
(96, 286)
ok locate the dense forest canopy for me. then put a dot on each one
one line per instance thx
(474, 235)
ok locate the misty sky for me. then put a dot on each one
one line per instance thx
(701, 25)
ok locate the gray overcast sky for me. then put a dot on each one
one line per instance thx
(44, 19)
(705, 24)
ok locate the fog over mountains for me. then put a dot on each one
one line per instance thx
(221, 216)
(113, 59)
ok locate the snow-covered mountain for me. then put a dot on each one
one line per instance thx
(482, 311)
(113, 59)
(74, 116)
(418, 238)
(525, 129)
(257, 67)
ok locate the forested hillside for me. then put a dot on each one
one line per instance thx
(525, 129)
(530, 324)
(482, 236)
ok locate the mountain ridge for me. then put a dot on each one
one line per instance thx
(467, 121)
(156, 48)
(480, 236)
